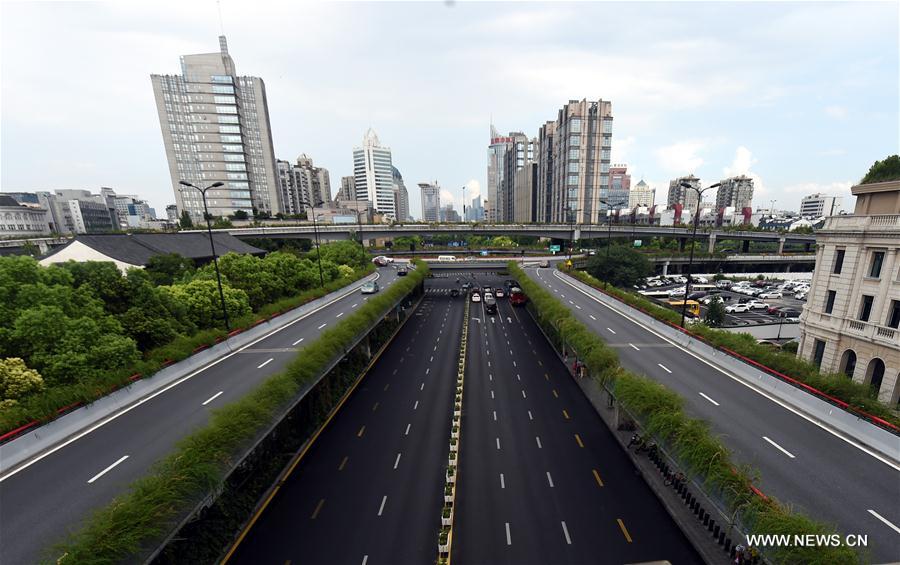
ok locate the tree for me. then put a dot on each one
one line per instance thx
(201, 299)
(186, 222)
(411, 242)
(715, 313)
(881, 171)
(169, 268)
(240, 215)
(502, 241)
(248, 273)
(17, 380)
(625, 267)
(222, 224)
(345, 271)
(344, 253)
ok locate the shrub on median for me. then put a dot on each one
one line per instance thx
(199, 462)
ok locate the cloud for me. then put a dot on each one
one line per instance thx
(473, 189)
(743, 161)
(621, 147)
(681, 157)
(447, 198)
(806, 188)
(837, 112)
(833, 153)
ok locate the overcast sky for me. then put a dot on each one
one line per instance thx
(803, 96)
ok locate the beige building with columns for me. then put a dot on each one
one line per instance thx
(851, 323)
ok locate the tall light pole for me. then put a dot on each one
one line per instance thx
(571, 214)
(464, 219)
(212, 245)
(318, 253)
(687, 288)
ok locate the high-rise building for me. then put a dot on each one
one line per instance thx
(475, 212)
(641, 195)
(735, 192)
(172, 213)
(818, 205)
(515, 155)
(580, 160)
(401, 196)
(84, 212)
(544, 187)
(448, 214)
(303, 185)
(373, 174)
(431, 201)
(851, 321)
(616, 196)
(348, 190)
(686, 197)
(215, 128)
(525, 196)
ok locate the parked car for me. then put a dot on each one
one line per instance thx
(770, 294)
(801, 295)
(733, 308)
(696, 294)
(723, 284)
(476, 297)
(789, 313)
(758, 305)
(699, 279)
(370, 287)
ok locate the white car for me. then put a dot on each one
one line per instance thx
(488, 296)
(677, 291)
(758, 305)
(476, 297)
(771, 294)
(700, 280)
(732, 308)
(382, 261)
(800, 295)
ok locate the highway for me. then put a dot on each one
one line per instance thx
(370, 488)
(541, 478)
(51, 496)
(799, 461)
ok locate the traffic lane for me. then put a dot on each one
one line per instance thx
(574, 443)
(352, 469)
(741, 423)
(40, 502)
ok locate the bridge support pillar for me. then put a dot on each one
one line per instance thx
(577, 233)
(712, 243)
(665, 271)
(781, 245)
(682, 243)
(745, 246)
(43, 247)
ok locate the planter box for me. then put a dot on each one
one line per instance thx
(451, 479)
(451, 462)
(448, 498)
(454, 447)
(454, 435)
(447, 521)
(457, 414)
(443, 549)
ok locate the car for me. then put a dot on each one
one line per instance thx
(466, 286)
(470, 258)
(544, 264)
(733, 308)
(476, 297)
(680, 280)
(382, 261)
(370, 287)
(698, 279)
(793, 320)
(402, 272)
(774, 310)
(770, 294)
(723, 284)
(488, 296)
(490, 305)
(789, 313)
(758, 305)
(801, 295)
(499, 292)
(517, 297)
(487, 289)
(696, 294)
(454, 292)
(446, 258)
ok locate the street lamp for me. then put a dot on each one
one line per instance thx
(318, 253)
(609, 204)
(212, 244)
(571, 214)
(464, 219)
(687, 288)
(359, 224)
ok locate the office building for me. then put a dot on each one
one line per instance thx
(347, 191)
(735, 192)
(20, 220)
(679, 195)
(374, 175)
(215, 128)
(475, 211)
(543, 186)
(172, 213)
(641, 195)
(525, 197)
(515, 154)
(616, 196)
(401, 196)
(431, 201)
(851, 321)
(496, 151)
(818, 205)
(448, 214)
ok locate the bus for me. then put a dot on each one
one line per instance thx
(446, 258)
(517, 297)
(693, 307)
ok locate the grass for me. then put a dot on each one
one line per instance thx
(857, 395)
(45, 406)
(200, 461)
(661, 413)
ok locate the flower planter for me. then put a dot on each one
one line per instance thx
(451, 479)
(443, 549)
(448, 498)
(446, 521)
(456, 414)
(454, 434)
(454, 447)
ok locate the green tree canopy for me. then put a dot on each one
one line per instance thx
(881, 171)
(715, 313)
(201, 300)
(169, 268)
(17, 380)
(186, 222)
(344, 253)
(625, 266)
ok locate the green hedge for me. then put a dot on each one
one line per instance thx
(44, 407)
(698, 451)
(855, 394)
(152, 504)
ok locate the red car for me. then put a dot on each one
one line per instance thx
(517, 297)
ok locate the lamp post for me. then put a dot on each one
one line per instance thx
(571, 214)
(464, 219)
(687, 288)
(359, 224)
(212, 245)
(318, 253)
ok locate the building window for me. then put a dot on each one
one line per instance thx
(877, 262)
(575, 125)
(221, 78)
(229, 120)
(574, 153)
(893, 320)
(573, 167)
(818, 352)
(607, 126)
(838, 261)
(865, 309)
(573, 180)
(226, 110)
(829, 301)
(575, 141)
(224, 100)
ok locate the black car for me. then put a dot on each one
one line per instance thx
(401, 272)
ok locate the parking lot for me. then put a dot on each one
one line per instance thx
(755, 316)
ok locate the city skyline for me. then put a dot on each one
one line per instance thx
(741, 108)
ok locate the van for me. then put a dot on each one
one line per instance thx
(447, 258)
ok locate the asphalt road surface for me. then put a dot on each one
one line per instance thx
(370, 489)
(800, 462)
(41, 502)
(541, 478)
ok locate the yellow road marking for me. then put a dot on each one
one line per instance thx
(343, 463)
(316, 511)
(374, 408)
(565, 415)
(578, 439)
(624, 529)
(361, 431)
(555, 393)
(597, 476)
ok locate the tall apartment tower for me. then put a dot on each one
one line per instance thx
(302, 185)
(581, 155)
(215, 128)
(431, 201)
(680, 195)
(497, 148)
(735, 192)
(543, 186)
(348, 189)
(401, 196)
(518, 154)
(374, 175)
